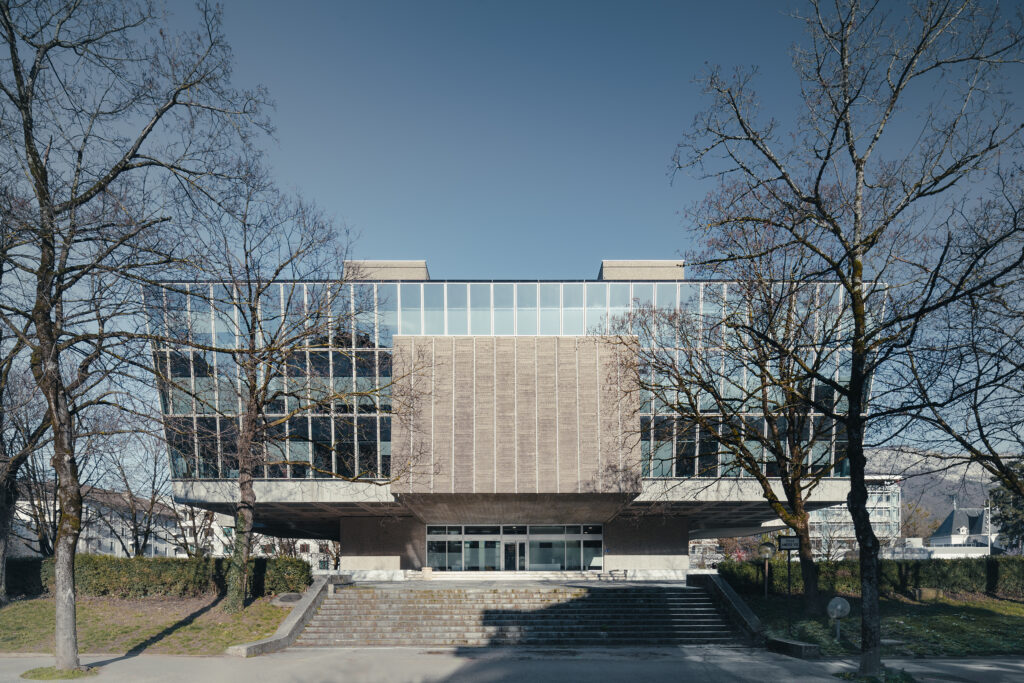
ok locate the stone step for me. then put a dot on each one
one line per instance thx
(518, 616)
(440, 610)
(553, 632)
(535, 616)
(677, 621)
(545, 642)
(518, 604)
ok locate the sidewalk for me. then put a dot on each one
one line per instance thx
(473, 665)
(998, 669)
(488, 665)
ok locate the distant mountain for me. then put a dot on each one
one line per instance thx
(933, 491)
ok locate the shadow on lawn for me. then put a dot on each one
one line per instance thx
(157, 637)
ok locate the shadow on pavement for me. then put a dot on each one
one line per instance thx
(157, 637)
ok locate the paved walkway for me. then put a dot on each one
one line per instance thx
(471, 665)
(704, 664)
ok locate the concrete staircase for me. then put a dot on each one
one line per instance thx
(553, 616)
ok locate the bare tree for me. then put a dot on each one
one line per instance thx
(261, 363)
(132, 488)
(967, 373)
(23, 432)
(879, 183)
(106, 117)
(193, 530)
(731, 371)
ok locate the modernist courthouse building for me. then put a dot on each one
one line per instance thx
(513, 447)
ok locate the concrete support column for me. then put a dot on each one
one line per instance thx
(382, 543)
(647, 546)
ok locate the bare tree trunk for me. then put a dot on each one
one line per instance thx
(68, 530)
(238, 571)
(8, 497)
(870, 568)
(808, 568)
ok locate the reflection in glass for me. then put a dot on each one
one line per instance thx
(526, 309)
(480, 308)
(410, 319)
(387, 313)
(504, 309)
(550, 302)
(572, 308)
(363, 316)
(433, 308)
(458, 310)
(597, 307)
(547, 556)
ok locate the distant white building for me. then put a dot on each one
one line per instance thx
(106, 529)
(832, 531)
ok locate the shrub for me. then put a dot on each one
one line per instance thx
(1002, 576)
(138, 577)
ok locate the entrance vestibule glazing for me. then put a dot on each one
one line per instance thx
(515, 547)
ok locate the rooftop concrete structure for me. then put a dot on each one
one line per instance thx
(386, 270)
(668, 269)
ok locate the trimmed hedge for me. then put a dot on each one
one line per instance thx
(24, 576)
(138, 577)
(1000, 575)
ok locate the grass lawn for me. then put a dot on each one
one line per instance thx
(194, 626)
(956, 626)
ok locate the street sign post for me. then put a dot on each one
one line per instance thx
(789, 543)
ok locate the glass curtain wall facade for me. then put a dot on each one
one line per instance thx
(351, 436)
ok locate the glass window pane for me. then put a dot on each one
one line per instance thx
(229, 448)
(298, 446)
(666, 296)
(572, 308)
(182, 447)
(458, 310)
(707, 465)
(618, 305)
(410, 318)
(344, 447)
(224, 317)
(572, 556)
(364, 316)
(367, 433)
(433, 308)
(597, 307)
(643, 294)
(526, 307)
(480, 308)
(454, 556)
(550, 303)
(341, 317)
(661, 448)
(592, 556)
(207, 442)
(320, 439)
(686, 449)
(504, 311)
(437, 555)
(387, 312)
(547, 555)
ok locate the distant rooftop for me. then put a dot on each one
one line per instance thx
(667, 269)
(386, 270)
(664, 269)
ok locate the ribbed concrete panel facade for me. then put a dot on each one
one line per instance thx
(511, 415)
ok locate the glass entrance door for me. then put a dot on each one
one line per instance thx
(515, 556)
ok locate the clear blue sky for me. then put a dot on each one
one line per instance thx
(517, 139)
